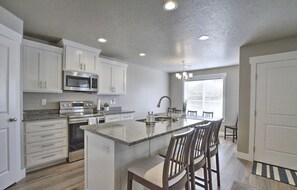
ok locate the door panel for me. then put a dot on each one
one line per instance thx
(52, 71)
(90, 61)
(9, 108)
(276, 120)
(73, 58)
(31, 69)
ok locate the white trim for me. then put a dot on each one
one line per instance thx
(208, 77)
(112, 62)
(254, 61)
(20, 175)
(11, 34)
(42, 46)
(273, 57)
(65, 42)
(243, 156)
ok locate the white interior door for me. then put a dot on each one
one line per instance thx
(9, 111)
(276, 118)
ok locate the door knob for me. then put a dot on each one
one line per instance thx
(13, 119)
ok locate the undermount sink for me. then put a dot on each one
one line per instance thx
(159, 119)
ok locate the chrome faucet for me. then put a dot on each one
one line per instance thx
(169, 111)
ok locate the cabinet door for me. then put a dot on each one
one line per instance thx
(32, 67)
(52, 72)
(89, 61)
(104, 78)
(118, 80)
(73, 59)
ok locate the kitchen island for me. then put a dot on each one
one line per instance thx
(111, 148)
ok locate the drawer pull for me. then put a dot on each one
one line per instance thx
(52, 155)
(47, 135)
(47, 126)
(47, 145)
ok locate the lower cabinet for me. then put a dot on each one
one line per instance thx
(45, 141)
(118, 117)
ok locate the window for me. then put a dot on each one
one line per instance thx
(206, 93)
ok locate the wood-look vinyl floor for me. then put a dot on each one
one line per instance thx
(70, 176)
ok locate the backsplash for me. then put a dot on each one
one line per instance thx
(32, 101)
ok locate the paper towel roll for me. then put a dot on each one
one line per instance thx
(98, 104)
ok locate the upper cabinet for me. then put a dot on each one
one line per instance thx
(79, 57)
(112, 77)
(42, 67)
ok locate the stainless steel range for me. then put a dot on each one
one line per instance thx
(79, 113)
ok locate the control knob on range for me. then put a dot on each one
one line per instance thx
(64, 105)
(69, 105)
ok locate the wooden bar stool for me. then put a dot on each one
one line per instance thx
(171, 172)
(190, 112)
(198, 154)
(213, 150)
(207, 114)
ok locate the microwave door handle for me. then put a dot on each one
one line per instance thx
(91, 83)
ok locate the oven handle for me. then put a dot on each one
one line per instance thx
(80, 120)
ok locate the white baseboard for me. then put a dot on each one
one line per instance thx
(243, 156)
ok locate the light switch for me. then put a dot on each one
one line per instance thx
(43, 102)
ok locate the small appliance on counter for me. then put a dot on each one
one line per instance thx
(78, 113)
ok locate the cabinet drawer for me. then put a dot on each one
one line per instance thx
(46, 145)
(45, 135)
(127, 116)
(46, 156)
(112, 118)
(45, 125)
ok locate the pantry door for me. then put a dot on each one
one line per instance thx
(276, 110)
(9, 110)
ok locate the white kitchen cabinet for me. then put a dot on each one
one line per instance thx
(79, 57)
(127, 116)
(118, 117)
(42, 67)
(112, 77)
(45, 141)
(112, 118)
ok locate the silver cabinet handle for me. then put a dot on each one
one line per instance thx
(44, 85)
(81, 66)
(47, 135)
(40, 84)
(47, 125)
(13, 119)
(44, 157)
(47, 145)
(84, 66)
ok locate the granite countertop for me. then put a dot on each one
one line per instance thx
(35, 115)
(132, 132)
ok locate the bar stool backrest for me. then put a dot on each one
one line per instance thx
(215, 129)
(200, 139)
(177, 159)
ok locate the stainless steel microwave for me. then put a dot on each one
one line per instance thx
(79, 81)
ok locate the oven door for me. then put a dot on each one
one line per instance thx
(76, 139)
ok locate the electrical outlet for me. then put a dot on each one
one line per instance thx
(43, 102)
(112, 101)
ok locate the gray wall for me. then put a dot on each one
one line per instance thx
(11, 21)
(271, 47)
(144, 88)
(232, 89)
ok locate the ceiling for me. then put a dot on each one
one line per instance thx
(135, 26)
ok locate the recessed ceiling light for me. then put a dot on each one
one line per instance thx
(204, 37)
(169, 5)
(102, 40)
(142, 54)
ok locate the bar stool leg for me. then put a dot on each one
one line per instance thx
(233, 135)
(205, 177)
(218, 169)
(225, 134)
(129, 184)
(209, 171)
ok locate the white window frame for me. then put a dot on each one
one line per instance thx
(210, 77)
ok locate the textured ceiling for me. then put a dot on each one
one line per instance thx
(134, 26)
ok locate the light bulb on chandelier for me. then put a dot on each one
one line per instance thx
(184, 75)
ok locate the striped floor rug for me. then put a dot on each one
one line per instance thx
(276, 173)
